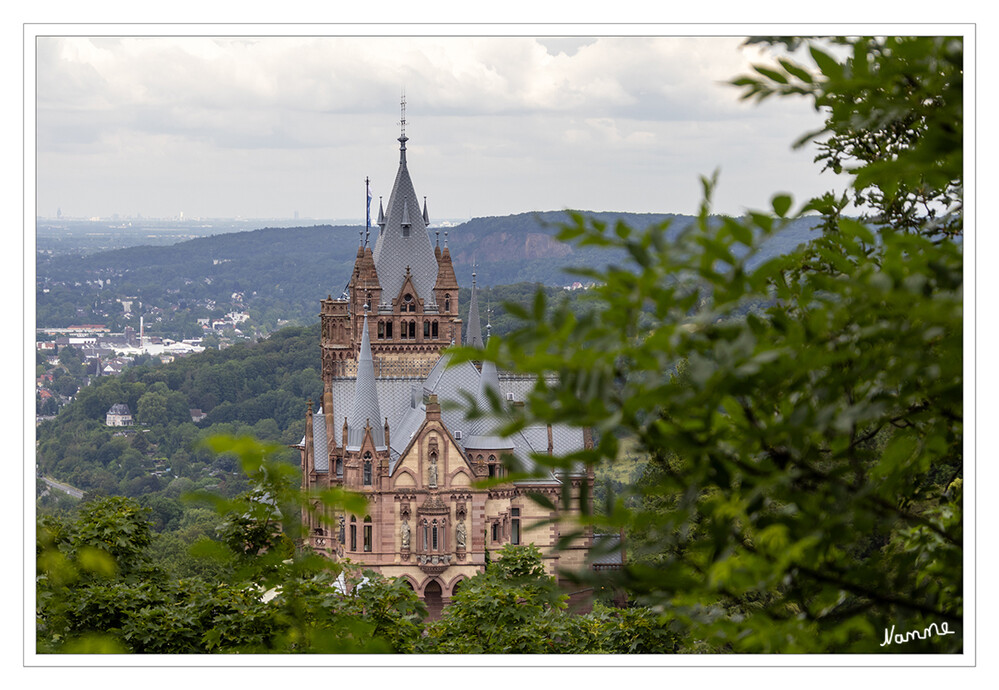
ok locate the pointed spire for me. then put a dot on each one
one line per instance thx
(426, 216)
(404, 239)
(381, 214)
(328, 414)
(437, 254)
(310, 458)
(473, 337)
(365, 397)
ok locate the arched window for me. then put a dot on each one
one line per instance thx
(412, 329)
(426, 534)
(408, 303)
(434, 540)
(388, 330)
(367, 533)
(447, 303)
(339, 467)
(426, 329)
(353, 533)
(381, 330)
(367, 469)
(434, 330)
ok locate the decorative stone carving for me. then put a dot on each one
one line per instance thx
(460, 536)
(432, 473)
(405, 535)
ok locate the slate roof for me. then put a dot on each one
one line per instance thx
(608, 547)
(319, 444)
(119, 409)
(395, 249)
(366, 410)
(473, 337)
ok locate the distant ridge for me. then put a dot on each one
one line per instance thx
(289, 269)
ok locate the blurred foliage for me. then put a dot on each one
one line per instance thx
(804, 486)
(894, 122)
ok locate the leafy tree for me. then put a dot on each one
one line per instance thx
(512, 608)
(903, 144)
(804, 484)
(98, 592)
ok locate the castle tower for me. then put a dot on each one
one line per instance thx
(407, 286)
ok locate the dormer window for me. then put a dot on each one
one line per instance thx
(408, 303)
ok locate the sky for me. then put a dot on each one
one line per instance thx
(271, 126)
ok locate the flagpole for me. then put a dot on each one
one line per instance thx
(367, 215)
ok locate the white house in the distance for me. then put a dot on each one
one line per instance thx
(164, 346)
(119, 415)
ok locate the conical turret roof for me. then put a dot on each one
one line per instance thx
(404, 241)
(366, 411)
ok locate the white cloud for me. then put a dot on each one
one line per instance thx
(497, 125)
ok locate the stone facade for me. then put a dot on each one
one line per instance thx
(381, 430)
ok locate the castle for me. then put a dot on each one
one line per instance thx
(385, 429)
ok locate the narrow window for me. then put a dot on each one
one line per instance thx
(388, 330)
(496, 535)
(433, 533)
(426, 532)
(367, 469)
(353, 534)
(412, 329)
(426, 329)
(515, 526)
(367, 534)
(339, 467)
(435, 330)
(447, 303)
(381, 330)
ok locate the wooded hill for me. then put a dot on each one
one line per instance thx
(281, 273)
